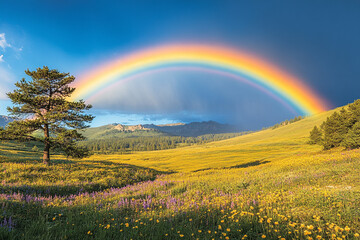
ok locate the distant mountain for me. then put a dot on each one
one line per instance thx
(4, 120)
(120, 131)
(193, 129)
(149, 130)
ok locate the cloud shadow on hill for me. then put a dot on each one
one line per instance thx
(244, 165)
(249, 164)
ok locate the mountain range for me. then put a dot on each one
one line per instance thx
(192, 129)
(4, 120)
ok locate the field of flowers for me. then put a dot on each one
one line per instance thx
(267, 185)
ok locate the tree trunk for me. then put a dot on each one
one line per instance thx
(46, 157)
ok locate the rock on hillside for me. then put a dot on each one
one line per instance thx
(130, 128)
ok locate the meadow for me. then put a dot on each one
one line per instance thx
(265, 185)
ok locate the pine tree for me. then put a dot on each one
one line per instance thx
(335, 130)
(42, 104)
(353, 113)
(352, 138)
(315, 136)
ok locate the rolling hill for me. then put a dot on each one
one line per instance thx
(268, 145)
(265, 185)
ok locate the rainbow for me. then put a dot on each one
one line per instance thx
(242, 66)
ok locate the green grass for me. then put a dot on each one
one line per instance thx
(269, 184)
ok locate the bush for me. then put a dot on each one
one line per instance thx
(35, 149)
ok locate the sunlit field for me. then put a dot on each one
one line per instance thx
(265, 185)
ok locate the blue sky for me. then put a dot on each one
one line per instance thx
(316, 41)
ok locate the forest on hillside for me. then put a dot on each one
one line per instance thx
(340, 129)
(128, 145)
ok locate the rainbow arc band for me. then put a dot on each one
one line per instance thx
(242, 66)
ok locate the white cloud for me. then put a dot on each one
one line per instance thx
(3, 43)
(7, 80)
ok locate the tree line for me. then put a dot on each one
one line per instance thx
(340, 129)
(287, 122)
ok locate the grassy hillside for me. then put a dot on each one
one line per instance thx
(264, 146)
(265, 185)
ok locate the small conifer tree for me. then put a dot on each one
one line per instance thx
(352, 138)
(353, 113)
(315, 136)
(335, 130)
